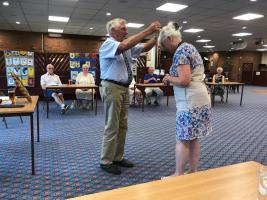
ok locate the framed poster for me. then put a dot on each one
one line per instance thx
(22, 64)
(78, 59)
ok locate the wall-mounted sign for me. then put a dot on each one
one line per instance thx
(22, 64)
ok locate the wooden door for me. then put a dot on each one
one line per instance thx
(247, 73)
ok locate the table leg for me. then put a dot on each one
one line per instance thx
(47, 104)
(212, 99)
(241, 99)
(134, 95)
(227, 90)
(92, 103)
(32, 143)
(167, 93)
(96, 98)
(143, 99)
(37, 117)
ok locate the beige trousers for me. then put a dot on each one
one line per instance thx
(116, 104)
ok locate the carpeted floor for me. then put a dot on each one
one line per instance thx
(67, 156)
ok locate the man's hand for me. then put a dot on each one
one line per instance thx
(152, 78)
(154, 27)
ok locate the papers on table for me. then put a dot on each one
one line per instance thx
(5, 100)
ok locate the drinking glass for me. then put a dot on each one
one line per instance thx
(262, 182)
(11, 95)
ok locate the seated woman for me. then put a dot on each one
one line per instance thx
(218, 78)
(84, 96)
(138, 94)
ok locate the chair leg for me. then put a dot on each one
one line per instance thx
(4, 120)
(21, 119)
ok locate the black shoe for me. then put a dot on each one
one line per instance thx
(149, 103)
(156, 103)
(63, 111)
(124, 163)
(67, 107)
(110, 168)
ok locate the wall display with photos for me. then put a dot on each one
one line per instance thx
(78, 59)
(20, 63)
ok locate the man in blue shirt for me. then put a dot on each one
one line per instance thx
(116, 57)
(151, 78)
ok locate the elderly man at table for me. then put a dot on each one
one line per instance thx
(151, 78)
(116, 59)
(52, 79)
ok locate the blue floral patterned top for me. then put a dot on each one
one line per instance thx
(186, 54)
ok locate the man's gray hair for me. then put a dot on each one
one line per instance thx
(169, 30)
(113, 24)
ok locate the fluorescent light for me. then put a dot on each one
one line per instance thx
(55, 30)
(171, 7)
(193, 30)
(198, 36)
(261, 49)
(242, 34)
(265, 45)
(244, 27)
(240, 39)
(91, 28)
(108, 14)
(184, 22)
(208, 46)
(5, 3)
(107, 35)
(134, 25)
(58, 19)
(253, 0)
(203, 40)
(17, 22)
(248, 16)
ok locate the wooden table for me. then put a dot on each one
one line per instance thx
(142, 87)
(227, 85)
(234, 182)
(72, 87)
(27, 110)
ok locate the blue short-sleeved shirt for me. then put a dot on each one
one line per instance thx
(148, 76)
(112, 65)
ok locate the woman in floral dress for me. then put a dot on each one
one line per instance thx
(193, 117)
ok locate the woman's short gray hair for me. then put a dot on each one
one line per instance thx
(219, 69)
(113, 24)
(172, 29)
(87, 66)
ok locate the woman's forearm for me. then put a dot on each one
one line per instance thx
(180, 81)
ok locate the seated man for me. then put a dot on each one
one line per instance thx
(52, 79)
(152, 78)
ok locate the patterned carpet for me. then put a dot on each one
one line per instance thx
(68, 154)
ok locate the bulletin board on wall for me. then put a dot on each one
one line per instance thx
(22, 64)
(78, 59)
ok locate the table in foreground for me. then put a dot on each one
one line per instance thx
(227, 85)
(27, 110)
(72, 87)
(142, 87)
(234, 182)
